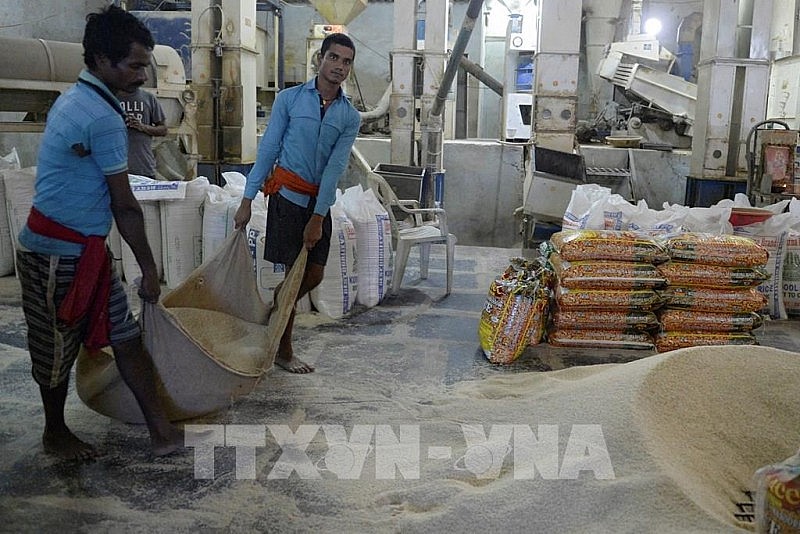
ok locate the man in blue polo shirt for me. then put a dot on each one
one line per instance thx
(70, 294)
(308, 140)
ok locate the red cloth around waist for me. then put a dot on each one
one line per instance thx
(284, 177)
(91, 287)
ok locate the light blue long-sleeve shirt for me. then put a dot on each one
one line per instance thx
(297, 139)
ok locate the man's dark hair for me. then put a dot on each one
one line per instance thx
(110, 33)
(339, 39)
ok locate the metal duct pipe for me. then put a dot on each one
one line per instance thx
(461, 105)
(473, 12)
(216, 83)
(381, 108)
(281, 49)
(487, 79)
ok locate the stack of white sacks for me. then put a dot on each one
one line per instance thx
(359, 233)
(187, 221)
(359, 266)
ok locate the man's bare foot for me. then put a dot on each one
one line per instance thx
(294, 365)
(167, 443)
(67, 446)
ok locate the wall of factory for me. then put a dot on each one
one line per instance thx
(483, 187)
(371, 31)
(61, 20)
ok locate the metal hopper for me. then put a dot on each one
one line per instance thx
(339, 11)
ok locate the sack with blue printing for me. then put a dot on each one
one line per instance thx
(335, 296)
(585, 208)
(772, 234)
(374, 243)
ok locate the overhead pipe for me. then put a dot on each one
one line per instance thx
(460, 131)
(281, 48)
(434, 127)
(484, 77)
(473, 11)
(381, 108)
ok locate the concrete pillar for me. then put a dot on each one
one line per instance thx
(435, 60)
(732, 85)
(401, 104)
(224, 79)
(796, 29)
(206, 74)
(239, 81)
(601, 30)
(556, 74)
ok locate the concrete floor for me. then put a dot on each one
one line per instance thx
(378, 366)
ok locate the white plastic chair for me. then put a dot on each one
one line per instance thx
(413, 230)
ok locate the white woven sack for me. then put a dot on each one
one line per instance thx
(219, 208)
(234, 183)
(182, 232)
(152, 229)
(336, 295)
(7, 162)
(374, 244)
(585, 208)
(6, 243)
(268, 274)
(771, 234)
(19, 185)
(791, 274)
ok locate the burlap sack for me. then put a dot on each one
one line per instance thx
(212, 339)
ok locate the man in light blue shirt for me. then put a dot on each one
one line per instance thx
(308, 140)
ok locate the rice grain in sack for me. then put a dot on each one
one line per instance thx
(506, 321)
(152, 229)
(182, 232)
(219, 207)
(19, 187)
(336, 295)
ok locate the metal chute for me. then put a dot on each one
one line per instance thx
(339, 11)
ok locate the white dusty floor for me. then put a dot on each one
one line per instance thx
(405, 427)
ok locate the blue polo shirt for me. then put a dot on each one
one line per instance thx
(298, 139)
(71, 189)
